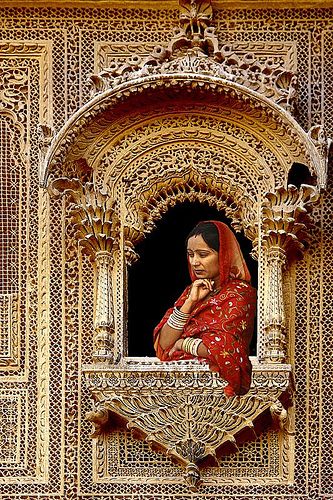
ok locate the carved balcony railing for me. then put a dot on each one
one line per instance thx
(181, 408)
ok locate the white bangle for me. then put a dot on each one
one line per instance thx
(191, 345)
(177, 319)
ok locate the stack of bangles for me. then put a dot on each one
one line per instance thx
(177, 319)
(191, 345)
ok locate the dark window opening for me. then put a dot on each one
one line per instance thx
(161, 274)
(300, 174)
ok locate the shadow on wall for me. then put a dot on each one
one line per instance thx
(161, 274)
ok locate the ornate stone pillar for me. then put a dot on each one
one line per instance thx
(284, 235)
(274, 323)
(97, 231)
(104, 314)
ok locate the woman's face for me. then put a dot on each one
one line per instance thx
(203, 260)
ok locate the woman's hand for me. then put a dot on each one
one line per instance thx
(177, 346)
(199, 290)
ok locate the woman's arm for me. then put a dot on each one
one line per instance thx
(169, 335)
(202, 349)
(199, 290)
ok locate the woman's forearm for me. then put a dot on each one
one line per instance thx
(202, 351)
(168, 336)
(188, 306)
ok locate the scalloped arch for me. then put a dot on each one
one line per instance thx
(274, 126)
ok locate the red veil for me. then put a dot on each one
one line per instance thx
(225, 321)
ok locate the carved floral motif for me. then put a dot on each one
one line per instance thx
(194, 48)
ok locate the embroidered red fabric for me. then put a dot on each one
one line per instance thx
(224, 322)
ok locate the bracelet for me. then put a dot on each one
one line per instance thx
(177, 319)
(191, 345)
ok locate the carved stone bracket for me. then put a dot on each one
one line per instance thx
(285, 233)
(185, 413)
(97, 230)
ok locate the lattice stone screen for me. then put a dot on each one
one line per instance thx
(46, 311)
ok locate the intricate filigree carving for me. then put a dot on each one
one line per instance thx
(13, 413)
(138, 472)
(189, 424)
(286, 219)
(195, 16)
(194, 48)
(322, 143)
(93, 215)
(46, 135)
(156, 200)
(98, 419)
(9, 338)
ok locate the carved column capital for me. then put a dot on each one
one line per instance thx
(286, 219)
(276, 254)
(104, 258)
(92, 213)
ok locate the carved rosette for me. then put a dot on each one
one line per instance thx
(285, 234)
(97, 231)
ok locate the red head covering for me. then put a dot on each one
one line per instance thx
(231, 260)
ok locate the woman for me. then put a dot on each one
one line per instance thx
(213, 318)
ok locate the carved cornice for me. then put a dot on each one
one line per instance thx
(195, 49)
(206, 85)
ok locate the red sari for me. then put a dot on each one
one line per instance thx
(224, 322)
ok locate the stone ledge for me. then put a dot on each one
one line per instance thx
(170, 4)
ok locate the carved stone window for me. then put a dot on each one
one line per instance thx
(193, 122)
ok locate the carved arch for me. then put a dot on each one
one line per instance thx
(107, 110)
(144, 208)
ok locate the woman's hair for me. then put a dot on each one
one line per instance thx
(209, 233)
